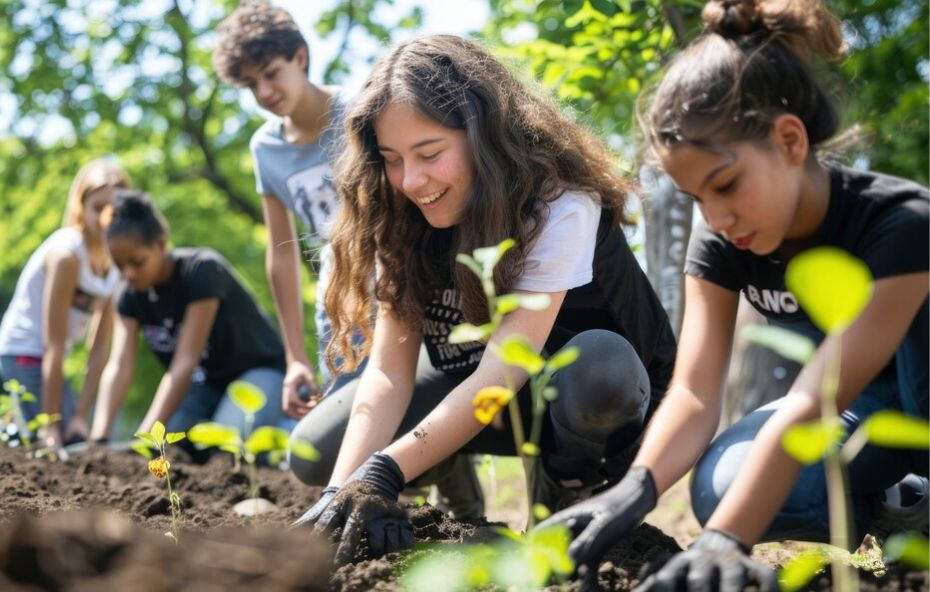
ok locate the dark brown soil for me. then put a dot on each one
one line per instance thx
(97, 522)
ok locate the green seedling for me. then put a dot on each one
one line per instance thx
(159, 467)
(515, 562)
(514, 350)
(39, 423)
(12, 419)
(268, 440)
(833, 287)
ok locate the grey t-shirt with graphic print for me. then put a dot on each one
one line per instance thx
(301, 176)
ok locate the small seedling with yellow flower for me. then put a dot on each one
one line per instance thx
(514, 350)
(160, 467)
(272, 441)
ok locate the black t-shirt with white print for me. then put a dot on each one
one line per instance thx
(242, 336)
(581, 251)
(880, 219)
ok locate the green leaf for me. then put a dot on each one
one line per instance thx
(469, 262)
(832, 286)
(173, 437)
(893, 429)
(800, 570)
(12, 386)
(911, 549)
(467, 332)
(531, 301)
(549, 550)
(147, 437)
(28, 398)
(142, 448)
(517, 351)
(233, 449)
(562, 358)
(247, 396)
(158, 432)
(808, 442)
(305, 450)
(530, 449)
(541, 512)
(489, 257)
(212, 433)
(266, 439)
(508, 533)
(787, 344)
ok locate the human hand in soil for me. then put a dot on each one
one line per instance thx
(600, 522)
(76, 430)
(316, 510)
(300, 392)
(716, 561)
(51, 438)
(367, 505)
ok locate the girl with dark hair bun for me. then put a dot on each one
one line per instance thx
(447, 152)
(197, 318)
(737, 122)
(64, 294)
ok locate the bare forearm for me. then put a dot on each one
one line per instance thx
(284, 277)
(113, 387)
(169, 395)
(766, 477)
(95, 365)
(52, 379)
(378, 409)
(449, 426)
(680, 430)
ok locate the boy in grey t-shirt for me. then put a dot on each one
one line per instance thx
(261, 48)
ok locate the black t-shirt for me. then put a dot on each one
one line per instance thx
(880, 219)
(619, 298)
(242, 336)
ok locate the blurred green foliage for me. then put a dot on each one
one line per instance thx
(598, 55)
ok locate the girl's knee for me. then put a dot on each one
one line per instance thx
(606, 388)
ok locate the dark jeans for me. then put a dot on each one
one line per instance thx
(599, 412)
(804, 516)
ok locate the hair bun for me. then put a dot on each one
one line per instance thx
(730, 18)
(131, 205)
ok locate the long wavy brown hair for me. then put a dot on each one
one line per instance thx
(525, 154)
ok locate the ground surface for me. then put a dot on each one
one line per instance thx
(97, 522)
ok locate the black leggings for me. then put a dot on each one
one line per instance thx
(599, 413)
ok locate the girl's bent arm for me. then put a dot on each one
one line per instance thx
(768, 473)
(198, 321)
(61, 277)
(452, 423)
(687, 418)
(98, 341)
(383, 394)
(117, 376)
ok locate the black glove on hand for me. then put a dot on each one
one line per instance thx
(716, 561)
(600, 522)
(313, 514)
(367, 504)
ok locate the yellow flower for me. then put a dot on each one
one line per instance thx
(159, 467)
(489, 401)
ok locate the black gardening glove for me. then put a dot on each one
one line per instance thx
(716, 561)
(600, 522)
(313, 514)
(367, 504)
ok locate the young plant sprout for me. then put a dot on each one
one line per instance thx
(833, 287)
(269, 440)
(159, 467)
(514, 350)
(516, 562)
(15, 429)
